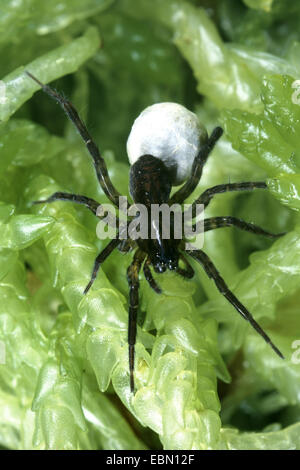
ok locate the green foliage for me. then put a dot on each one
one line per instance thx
(64, 381)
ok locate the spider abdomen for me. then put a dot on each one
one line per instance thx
(149, 181)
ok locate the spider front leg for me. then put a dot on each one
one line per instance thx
(186, 190)
(213, 273)
(99, 163)
(133, 281)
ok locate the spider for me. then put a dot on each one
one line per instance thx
(150, 182)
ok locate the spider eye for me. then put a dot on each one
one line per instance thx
(170, 132)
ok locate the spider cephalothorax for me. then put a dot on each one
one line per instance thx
(167, 146)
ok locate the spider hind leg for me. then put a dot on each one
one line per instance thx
(213, 273)
(134, 284)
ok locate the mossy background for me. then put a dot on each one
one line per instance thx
(204, 379)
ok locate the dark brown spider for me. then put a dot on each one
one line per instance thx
(150, 183)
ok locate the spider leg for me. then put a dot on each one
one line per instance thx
(208, 195)
(187, 273)
(99, 163)
(133, 281)
(149, 278)
(218, 222)
(100, 259)
(213, 273)
(186, 190)
(91, 204)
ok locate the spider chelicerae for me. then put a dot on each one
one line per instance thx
(150, 182)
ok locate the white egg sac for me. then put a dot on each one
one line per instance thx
(170, 132)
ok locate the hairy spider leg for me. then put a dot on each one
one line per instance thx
(133, 282)
(213, 223)
(99, 260)
(99, 163)
(186, 190)
(213, 273)
(91, 204)
(208, 195)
